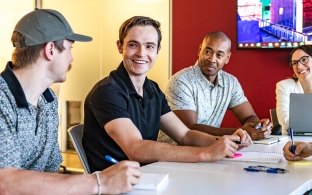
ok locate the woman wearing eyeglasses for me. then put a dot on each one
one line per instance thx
(301, 82)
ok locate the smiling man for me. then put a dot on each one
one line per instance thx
(201, 94)
(124, 111)
(30, 156)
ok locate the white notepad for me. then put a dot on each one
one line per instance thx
(151, 181)
(271, 139)
(261, 157)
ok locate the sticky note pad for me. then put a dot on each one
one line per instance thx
(236, 155)
(303, 162)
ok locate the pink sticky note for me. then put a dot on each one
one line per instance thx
(236, 155)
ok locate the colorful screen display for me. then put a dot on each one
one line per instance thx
(273, 23)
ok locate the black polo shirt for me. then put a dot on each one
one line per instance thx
(115, 97)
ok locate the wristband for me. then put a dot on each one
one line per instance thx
(97, 174)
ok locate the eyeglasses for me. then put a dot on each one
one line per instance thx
(303, 60)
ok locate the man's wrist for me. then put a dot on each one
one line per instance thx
(98, 189)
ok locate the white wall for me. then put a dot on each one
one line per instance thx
(101, 19)
(10, 13)
(94, 60)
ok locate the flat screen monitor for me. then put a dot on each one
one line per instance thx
(273, 23)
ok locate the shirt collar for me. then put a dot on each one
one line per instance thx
(16, 88)
(219, 82)
(124, 76)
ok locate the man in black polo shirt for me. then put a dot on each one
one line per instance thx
(29, 150)
(124, 111)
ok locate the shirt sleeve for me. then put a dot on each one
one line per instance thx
(282, 105)
(109, 102)
(53, 167)
(10, 154)
(238, 96)
(179, 94)
(55, 159)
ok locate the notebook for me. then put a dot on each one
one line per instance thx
(300, 111)
(271, 139)
(260, 157)
(152, 181)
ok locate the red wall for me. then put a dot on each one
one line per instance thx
(257, 70)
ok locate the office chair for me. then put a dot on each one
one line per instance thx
(75, 134)
(277, 128)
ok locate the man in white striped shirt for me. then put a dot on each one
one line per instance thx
(201, 94)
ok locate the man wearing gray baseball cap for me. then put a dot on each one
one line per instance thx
(29, 149)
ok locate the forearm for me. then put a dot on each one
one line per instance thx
(24, 182)
(196, 138)
(152, 151)
(213, 130)
(251, 119)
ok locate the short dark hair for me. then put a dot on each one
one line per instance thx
(21, 57)
(138, 21)
(218, 35)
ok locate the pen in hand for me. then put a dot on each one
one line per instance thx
(110, 159)
(258, 126)
(293, 146)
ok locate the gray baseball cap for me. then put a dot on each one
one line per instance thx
(45, 25)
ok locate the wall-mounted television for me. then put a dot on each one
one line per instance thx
(273, 23)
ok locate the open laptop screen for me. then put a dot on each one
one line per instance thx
(300, 113)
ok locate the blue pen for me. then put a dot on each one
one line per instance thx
(111, 159)
(260, 168)
(268, 170)
(293, 146)
(258, 126)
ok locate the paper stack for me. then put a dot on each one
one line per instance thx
(151, 181)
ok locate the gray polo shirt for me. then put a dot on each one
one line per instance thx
(28, 134)
(189, 89)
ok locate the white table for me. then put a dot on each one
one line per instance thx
(228, 177)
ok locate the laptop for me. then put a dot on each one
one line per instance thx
(300, 113)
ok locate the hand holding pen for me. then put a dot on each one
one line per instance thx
(302, 150)
(118, 178)
(110, 159)
(292, 147)
(264, 125)
(244, 138)
(258, 130)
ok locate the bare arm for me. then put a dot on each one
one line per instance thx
(115, 179)
(191, 138)
(243, 112)
(189, 118)
(147, 151)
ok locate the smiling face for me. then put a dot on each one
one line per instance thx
(213, 54)
(302, 70)
(139, 50)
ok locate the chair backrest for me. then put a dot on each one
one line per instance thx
(277, 128)
(273, 116)
(75, 134)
